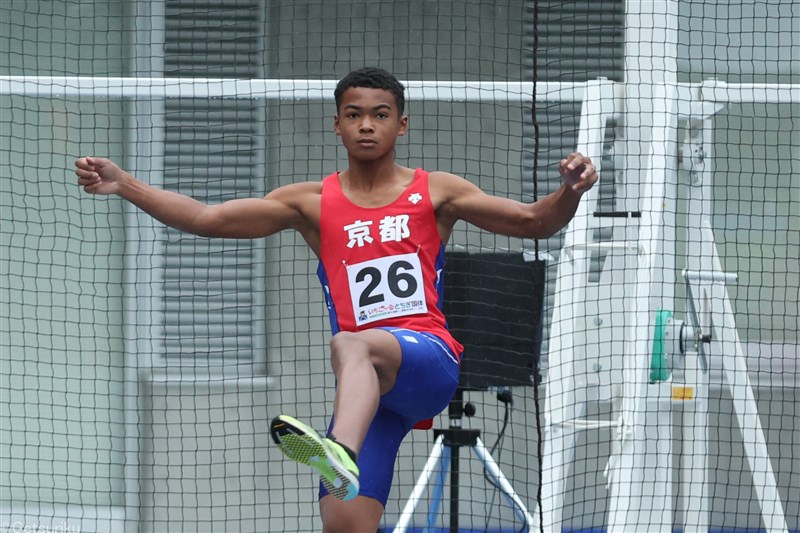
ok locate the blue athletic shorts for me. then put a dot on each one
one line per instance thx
(425, 384)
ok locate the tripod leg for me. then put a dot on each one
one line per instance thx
(437, 492)
(424, 478)
(508, 491)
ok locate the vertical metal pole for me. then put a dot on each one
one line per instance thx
(566, 387)
(693, 490)
(455, 412)
(454, 468)
(641, 493)
(142, 246)
(694, 468)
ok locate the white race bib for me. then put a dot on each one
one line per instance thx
(386, 287)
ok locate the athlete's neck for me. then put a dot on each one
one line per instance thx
(369, 176)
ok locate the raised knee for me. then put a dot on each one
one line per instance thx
(343, 341)
(346, 343)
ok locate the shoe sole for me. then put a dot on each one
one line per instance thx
(302, 444)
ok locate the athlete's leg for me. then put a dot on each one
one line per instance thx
(365, 365)
(362, 514)
(421, 388)
(377, 403)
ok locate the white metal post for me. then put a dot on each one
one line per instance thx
(693, 494)
(566, 373)
(641, 474)
(141, 323)
(694, 491)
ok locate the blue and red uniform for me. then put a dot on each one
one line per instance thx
(382, 268)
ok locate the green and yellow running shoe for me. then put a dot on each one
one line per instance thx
(302, 444)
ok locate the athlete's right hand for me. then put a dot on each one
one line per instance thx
(98, 175)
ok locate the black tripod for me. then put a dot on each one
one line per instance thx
(447, 452)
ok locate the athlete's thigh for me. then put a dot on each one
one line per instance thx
(427, 378)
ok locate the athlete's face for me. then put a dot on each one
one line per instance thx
(369, 122)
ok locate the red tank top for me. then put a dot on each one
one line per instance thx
(383, 266)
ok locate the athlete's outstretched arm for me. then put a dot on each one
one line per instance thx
(247, 218)
(461, 200)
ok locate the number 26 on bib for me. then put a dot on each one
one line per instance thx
(386, 287)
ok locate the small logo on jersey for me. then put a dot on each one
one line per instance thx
(415, 198)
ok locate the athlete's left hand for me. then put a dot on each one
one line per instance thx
(578, 172)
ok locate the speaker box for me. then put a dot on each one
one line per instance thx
(494, 304)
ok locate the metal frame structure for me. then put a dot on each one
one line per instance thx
(636, 281)
(587, 367)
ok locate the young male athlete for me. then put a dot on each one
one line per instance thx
(379, 230)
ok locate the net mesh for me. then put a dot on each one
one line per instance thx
(653, 384)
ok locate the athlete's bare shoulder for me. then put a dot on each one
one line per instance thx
(445, 186)
(301, 196)
(297, 191)
(304, 199)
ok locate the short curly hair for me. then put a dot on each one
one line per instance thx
(372, 78)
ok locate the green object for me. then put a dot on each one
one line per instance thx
(658, 361)
(301, 443)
